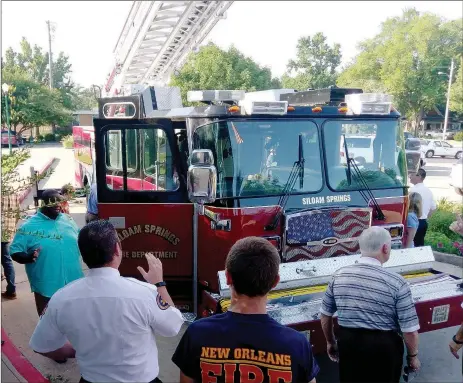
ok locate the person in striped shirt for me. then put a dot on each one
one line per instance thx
(376, 313)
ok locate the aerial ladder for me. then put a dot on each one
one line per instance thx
(156, 39)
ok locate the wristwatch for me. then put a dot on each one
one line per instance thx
(160, 284)
(455, 340)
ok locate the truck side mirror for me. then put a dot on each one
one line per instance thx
(202, 177)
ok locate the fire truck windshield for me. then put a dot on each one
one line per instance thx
(255, 158)
(377, 148)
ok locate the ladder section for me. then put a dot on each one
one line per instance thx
(158, 36)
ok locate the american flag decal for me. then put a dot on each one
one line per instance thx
(238, 138)
(306, 231)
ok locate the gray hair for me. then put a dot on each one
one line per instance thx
(373, 239)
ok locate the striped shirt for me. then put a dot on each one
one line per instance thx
(365, 295)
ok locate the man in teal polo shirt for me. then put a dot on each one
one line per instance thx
(47, 244)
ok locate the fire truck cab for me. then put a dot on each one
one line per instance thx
(187, 182)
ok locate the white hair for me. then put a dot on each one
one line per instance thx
(373, 239)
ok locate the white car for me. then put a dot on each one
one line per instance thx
(441, 148)
(456, 176)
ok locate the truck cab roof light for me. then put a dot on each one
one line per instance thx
(291, 108)
(234, 109)
(317, 109)
(265, 107)
(369, 103)
(215, 95)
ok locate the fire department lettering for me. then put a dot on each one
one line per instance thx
(326, 199)
(157, 254)
(244, 365)
(149, 229)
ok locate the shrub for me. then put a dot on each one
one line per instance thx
(440, 221)
(68, 142)
(445, 205)
(458, 136)
(440, 242)
(49, 137)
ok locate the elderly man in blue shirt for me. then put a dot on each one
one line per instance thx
(47, 244)
(92, 205)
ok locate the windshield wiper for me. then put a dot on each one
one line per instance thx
(296, 171)
(367, 194)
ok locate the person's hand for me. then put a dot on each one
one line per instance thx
(414, 363)
(454, 348)
(35, 254)
(332, 350)
(154, 273)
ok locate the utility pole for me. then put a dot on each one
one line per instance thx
(446, 119)
(50, 61)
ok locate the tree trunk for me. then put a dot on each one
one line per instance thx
(53, 128)
(37, 131)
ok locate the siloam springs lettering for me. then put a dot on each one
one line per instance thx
(149, 229)
(326, 199)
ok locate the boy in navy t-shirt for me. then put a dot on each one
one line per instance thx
(245, 344)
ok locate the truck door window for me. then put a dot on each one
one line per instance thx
(149, 160)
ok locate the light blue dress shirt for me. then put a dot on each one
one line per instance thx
(59, 260)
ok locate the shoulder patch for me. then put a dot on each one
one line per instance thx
(162, 304)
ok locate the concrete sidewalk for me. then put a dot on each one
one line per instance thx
(9, 373)
(15, 367)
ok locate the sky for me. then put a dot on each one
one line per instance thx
(267, 31)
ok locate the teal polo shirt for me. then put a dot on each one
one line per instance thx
(58, 262)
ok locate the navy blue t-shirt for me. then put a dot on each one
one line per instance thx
(235, 347)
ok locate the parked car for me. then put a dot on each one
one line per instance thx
(442, 149)
(456, 176)
(15, 139)
(449, 134)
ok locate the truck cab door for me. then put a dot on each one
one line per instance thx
(141, 191)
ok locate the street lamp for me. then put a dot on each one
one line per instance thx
(5, 88)
(446, 119)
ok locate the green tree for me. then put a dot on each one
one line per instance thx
(456, 92)
(84, 98)
(315, 64)
(215, 68)
(32, 105)
(404, 59)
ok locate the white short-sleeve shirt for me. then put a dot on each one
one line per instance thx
(426, 197)
(111, 322)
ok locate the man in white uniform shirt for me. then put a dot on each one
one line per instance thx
(429, 205)
(105, 321)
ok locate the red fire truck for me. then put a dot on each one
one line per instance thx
(186, 182)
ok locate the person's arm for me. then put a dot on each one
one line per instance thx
(185, 379)
(454, 346)
(47, 338)
(19, 249)
(409, 324)
(166, 320)
(327, 310)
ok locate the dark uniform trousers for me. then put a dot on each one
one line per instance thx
(418, 241)
(369, 356)
(155, 380)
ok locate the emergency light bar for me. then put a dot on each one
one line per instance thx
(369, 103)
(215, 95)
(265, 107)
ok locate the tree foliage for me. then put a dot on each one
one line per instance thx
(404, 60)
(315, 64)
(215, 68)
(32, 102)
(456, 92)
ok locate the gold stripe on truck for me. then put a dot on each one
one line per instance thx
(225, 303)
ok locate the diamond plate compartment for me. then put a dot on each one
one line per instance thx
(320, 271)
(289, 313)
